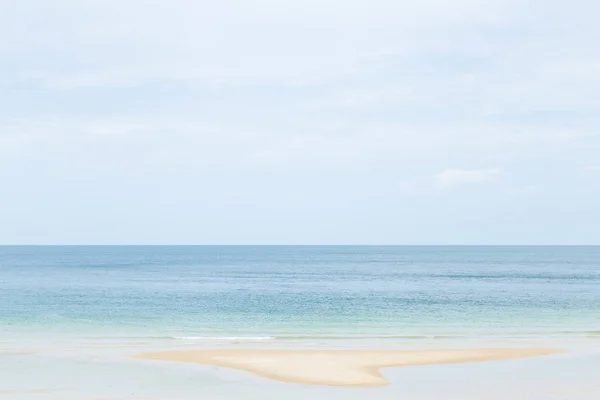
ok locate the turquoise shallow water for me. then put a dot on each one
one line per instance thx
(84, 310)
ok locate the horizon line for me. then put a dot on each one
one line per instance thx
(299, 245)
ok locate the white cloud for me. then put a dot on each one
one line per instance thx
(451, 178)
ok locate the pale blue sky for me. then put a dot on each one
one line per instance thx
(304, 122)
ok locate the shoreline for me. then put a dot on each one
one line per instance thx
(353, 368)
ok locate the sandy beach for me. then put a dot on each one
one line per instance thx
(358, 368)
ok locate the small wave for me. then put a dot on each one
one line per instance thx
(372, 337)
(226, 338)
(320, 337)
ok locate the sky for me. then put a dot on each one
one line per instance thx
(299, 122)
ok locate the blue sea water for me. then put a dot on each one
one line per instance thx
(296, 292)
(71, 305)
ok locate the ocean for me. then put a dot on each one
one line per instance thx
(83, 310)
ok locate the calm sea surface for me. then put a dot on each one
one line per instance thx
(66, 309)
(300, 292)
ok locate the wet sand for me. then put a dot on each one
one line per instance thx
(358, 368)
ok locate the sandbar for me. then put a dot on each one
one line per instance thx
(358, 368)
